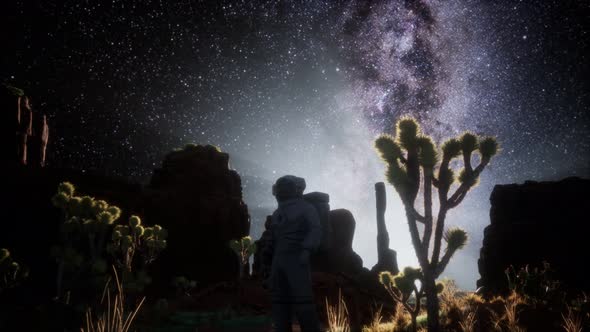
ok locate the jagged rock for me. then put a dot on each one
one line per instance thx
(199, 200)
(263, 256)
(535, 222)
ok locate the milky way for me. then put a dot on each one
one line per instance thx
(304, 87)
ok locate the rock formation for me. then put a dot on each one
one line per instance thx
(321, 202)
(386, 258)
(535, 222)
(199, 200)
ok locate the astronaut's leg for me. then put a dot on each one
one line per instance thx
(302, 294)
(282, 310)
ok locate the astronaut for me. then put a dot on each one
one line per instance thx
(296, 233)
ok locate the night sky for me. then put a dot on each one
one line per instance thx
(303, 87)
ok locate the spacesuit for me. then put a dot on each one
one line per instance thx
(296, 232)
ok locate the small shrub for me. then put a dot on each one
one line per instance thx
(572, 321)
(114, 317)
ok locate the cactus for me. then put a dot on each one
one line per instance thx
(413, 159)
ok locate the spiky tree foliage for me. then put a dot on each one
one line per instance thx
(89, 234)
(413, 160)
(402, 288)
(244, 248)
(14, 90)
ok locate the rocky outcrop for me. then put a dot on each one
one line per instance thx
(199, 200)
(386, 257)
(321, 201)
(339, 257)
(535, 222)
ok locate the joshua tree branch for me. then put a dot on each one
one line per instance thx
(452, 204)
(467, 161)
(440, 225)
(418, 296)
(464, 187)
(442, 265)
(415, 235)
(427, 212)
(413, 171)
(420, 218)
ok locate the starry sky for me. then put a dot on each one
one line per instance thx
(304, 87)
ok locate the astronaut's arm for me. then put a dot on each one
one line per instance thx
(311, 241)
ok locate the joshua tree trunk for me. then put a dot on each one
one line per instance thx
(431, 302)
(414, 323)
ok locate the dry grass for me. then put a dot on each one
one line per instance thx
(400, 321)
(473, 300)
(572, 322)
(510, 316)
(376, 320)
(402, 318)
(338, 320)
(449, 297)
(468, 322)
(114, 318)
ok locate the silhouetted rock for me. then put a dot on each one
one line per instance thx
(199, 200)
(386, 257)
(535, 222)
(339, 257)
(321, 201)
(263, 256)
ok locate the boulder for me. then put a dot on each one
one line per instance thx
(339, 257)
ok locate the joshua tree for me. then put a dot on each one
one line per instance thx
(244, 248)
(413, 159)
(11, 272)
(85, 230)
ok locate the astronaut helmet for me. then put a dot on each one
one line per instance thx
(288, 187)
